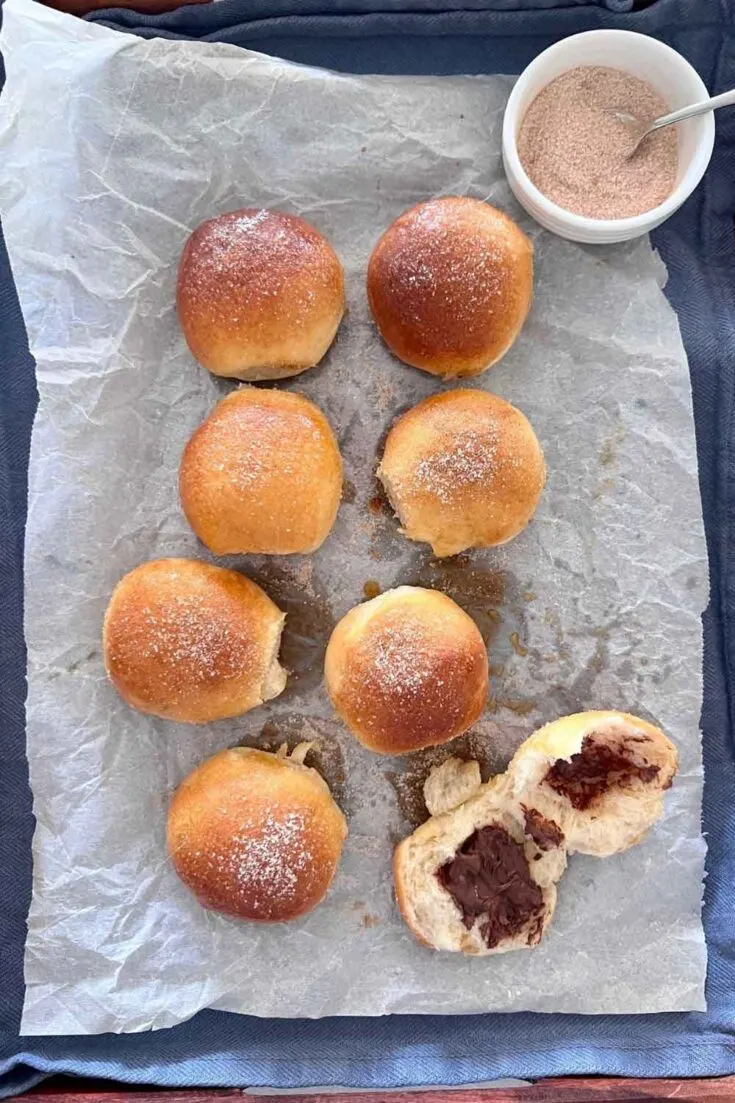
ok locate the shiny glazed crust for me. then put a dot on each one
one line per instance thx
(450, 285)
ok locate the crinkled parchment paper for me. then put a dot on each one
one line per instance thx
(113, 149)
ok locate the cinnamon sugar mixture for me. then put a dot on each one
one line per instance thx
(579, 155)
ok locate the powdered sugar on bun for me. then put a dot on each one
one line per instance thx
(260, 294)
(407, 670)
(463, 469)
(255, 835)
(191, 642)
(262, 474)
(450, 285)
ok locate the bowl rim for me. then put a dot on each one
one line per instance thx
(655, 215)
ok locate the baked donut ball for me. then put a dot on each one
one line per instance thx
(260, 294)
(450, 285)
(256, 835)
(262, 474)
(473, 879)
(462, 470)
(191, 642)
(407, 670)
(600, 776)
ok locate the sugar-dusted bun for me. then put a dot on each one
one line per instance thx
(463, 469)
(260, 294)
(407, 670)
(450, 285)
(256, 835)
(474, 879)
(600, 775)
(262, 474)
(191, 642)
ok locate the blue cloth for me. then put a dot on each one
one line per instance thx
(697, 245)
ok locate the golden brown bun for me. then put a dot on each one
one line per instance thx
(450, 285)
(260, 294)
(255, 835)
(407, 670)
(600, 775)
(262, 474)
(190, 642)
(463, 470)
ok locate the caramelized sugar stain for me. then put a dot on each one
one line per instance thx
(309, 621)
(480, 590)
(326, 756)
(562, 651)
(371, 589)
(608, 453)
(349, 493)
(386, 541)
(413, 769)
(520, 706)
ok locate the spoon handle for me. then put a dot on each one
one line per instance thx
(722, 100)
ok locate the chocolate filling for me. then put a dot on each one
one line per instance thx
(598, 767)
(489, 879)
(545, 833)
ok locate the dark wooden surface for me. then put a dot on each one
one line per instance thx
(150, 7)
(567, 1090)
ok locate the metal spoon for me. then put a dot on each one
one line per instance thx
(639, 130)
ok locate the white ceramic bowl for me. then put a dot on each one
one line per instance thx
(669, 73)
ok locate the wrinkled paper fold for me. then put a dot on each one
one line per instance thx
(113, 149)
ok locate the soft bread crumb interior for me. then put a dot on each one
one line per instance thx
(275, 677)
(450, 784)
